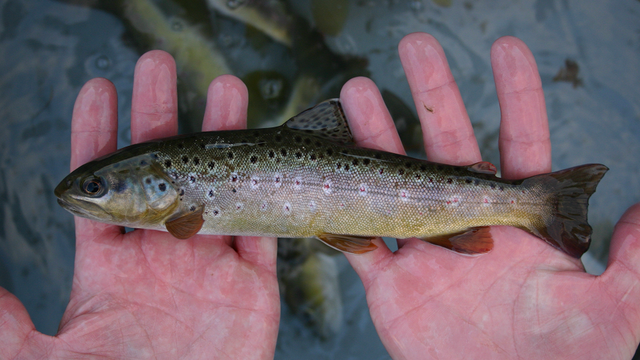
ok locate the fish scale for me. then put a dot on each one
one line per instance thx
(307, 178)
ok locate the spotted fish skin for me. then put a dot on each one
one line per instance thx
(307, 178)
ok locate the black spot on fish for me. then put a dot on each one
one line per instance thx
(180, 146)
(211, 165)
(366, 161)
(253, 159)
(401, 172)
(283, 152)
(196, 161)
(185, 159)
(346, 167)
(407, 165)
(312, 157)
(154, 155)
(181, 192)
(192, 179)
(381, 171)
(215, 212)
(147, 181)
(476, 182)
(271, 154)
(493, 186)
(230, 155)
(162, 187)
(418, 176)
(120, 186)
(298, 155)
(449, 181)
(203, 146)
(234, 178)
(423, 167)
(167, 163)
(338, 166)
(501, 188)
(234, 190)
(143, 162)
(192, 208)
(468, 181)
(355, 162)
(329, 152)
(210, 193)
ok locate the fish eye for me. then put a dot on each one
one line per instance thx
(93, 186)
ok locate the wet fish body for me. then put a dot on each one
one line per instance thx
(307, 178)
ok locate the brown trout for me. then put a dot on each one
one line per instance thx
(307, 178)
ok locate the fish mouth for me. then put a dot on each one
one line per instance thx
(82, 208)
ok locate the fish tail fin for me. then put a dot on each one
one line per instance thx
(565, 225)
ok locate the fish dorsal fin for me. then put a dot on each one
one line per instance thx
(472, 241)
(348, 243)
(483, 167)
(186, 225)
(326, 120)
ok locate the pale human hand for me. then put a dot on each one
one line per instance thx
(145, 294)
(524, 299)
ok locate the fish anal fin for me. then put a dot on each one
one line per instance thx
(472, 241)
(186, 225)
(325, 120)
(483, 167)
(348, 243)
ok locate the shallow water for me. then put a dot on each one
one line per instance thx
(50, 49)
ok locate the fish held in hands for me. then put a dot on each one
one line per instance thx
(307, 178)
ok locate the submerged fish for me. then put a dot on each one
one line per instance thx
(307, 178)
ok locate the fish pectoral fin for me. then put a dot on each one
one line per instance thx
(472, 241)
(186, 225)
(483, 167)
(348, 243)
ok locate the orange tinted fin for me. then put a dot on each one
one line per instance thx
(483, 167)
(348, 243)
(186, 225)
(472, 241)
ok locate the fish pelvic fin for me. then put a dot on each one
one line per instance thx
(472, 241)
(348, 243)
(565, 226)
(186, 225)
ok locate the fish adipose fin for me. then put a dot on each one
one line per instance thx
(472, 241)
(348, 243)
(565, 226)
(325, 120)
(186, 225)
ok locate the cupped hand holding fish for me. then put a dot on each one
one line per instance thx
(143, 294)
(523, 299)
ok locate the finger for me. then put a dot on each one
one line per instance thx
(19, 336)
(94, 132)
(448, 135)
(227, 102)
(372, 127)
(622, 276)
(154, 108)
(525, 149)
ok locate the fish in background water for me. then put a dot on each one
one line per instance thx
(307, 178)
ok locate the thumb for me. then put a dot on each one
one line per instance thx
(623, 271)
(18, 337)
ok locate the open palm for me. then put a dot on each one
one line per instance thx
(524, 299)
(145, 294)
